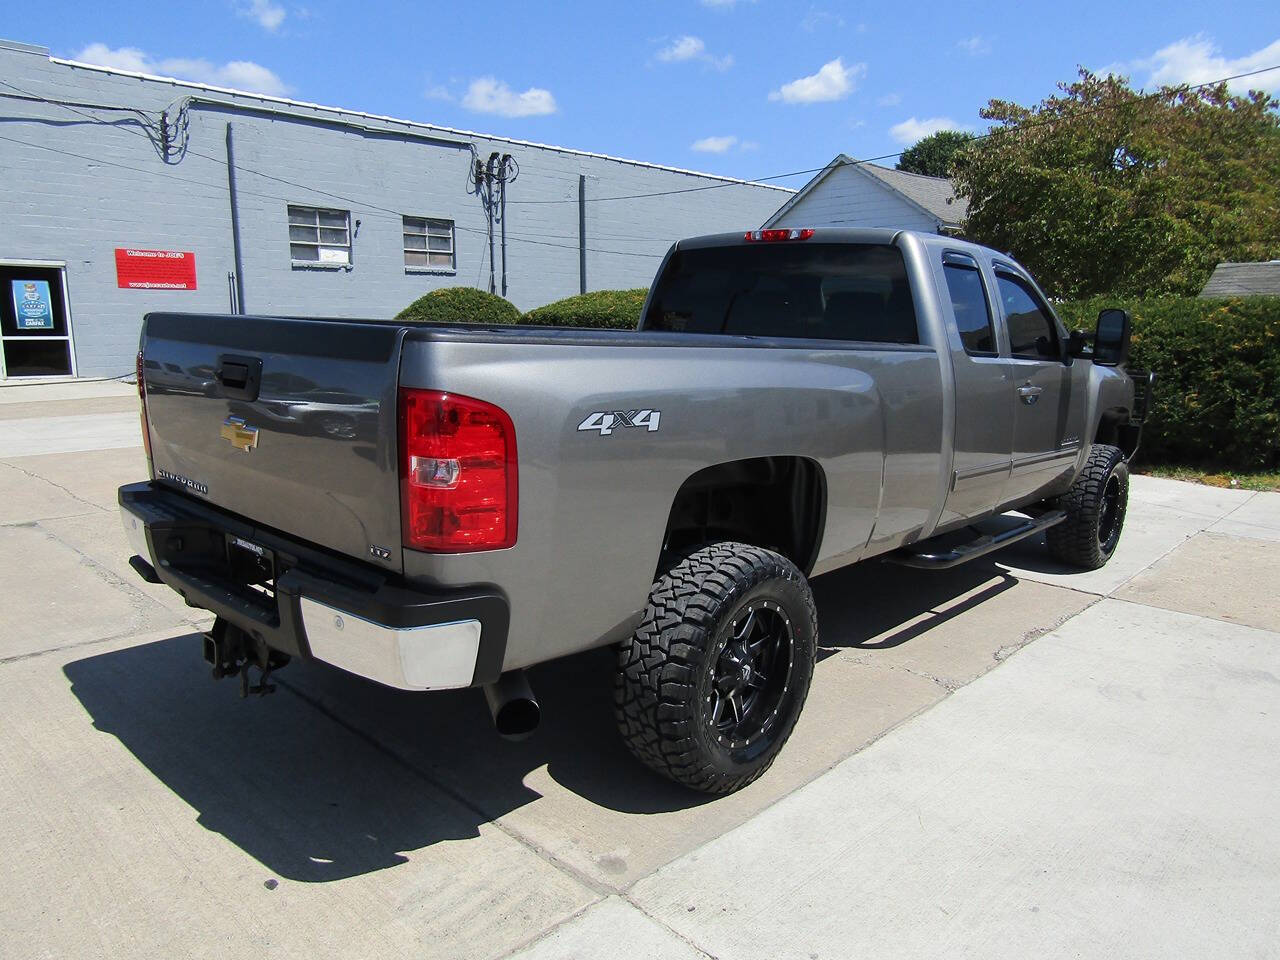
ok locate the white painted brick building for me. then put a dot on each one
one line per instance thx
(97, 161)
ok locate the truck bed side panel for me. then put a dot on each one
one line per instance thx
(594, 506)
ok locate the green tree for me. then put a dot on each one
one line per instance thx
(933, 155)
(1103, 190)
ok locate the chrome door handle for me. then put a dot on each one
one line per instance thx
(1030, 393)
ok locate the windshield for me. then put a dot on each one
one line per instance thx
(828, 291)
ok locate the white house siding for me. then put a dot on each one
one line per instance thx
(848, 199)
(77, 188)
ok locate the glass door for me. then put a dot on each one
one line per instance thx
(35, 324)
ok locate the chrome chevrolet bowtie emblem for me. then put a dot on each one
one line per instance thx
(242, 436)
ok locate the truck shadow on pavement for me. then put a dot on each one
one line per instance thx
(878, 606)
(333, 776)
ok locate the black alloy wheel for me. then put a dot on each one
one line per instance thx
(1095, 507)
(712, 682)
(752, 675)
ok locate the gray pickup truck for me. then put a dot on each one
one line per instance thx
(438, 507)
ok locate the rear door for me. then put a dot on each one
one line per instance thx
(983, 416)
(288, 423)
(1048, 391)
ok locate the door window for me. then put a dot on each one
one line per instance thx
(971, 309)
(1032, 334)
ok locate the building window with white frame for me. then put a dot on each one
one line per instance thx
(319, 237)
(428, 244)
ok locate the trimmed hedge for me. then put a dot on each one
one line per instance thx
(1217, 399)
(605, 309)
(451, 305)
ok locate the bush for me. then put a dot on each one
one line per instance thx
(460, 305)
(606, 309)
(1217, 399)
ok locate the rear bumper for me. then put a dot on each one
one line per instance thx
(352, 615)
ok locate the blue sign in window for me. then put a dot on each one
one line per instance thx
(32, 306)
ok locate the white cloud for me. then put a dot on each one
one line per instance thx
(714, 144)
(909, 131)
(889, 100)
(1196, 60)
(682, 48)
(437, 91)
(817, 19)
(975, 46)
(121, 58)
(692, 48)
(241, 74)
(490, 95)
(749, 145)
(834, 81)
(268, 15)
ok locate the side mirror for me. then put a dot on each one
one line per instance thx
(1111, 342)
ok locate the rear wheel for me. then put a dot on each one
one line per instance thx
(710, 686)
(1095, 506)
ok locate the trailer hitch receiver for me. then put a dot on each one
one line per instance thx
(232, 652)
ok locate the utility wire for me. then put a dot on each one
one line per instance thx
(1027, 125)
(398, 215)
(335, 196)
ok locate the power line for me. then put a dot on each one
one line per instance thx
(1030, 124)
(268, 196)
(1027, 125)
(72, 105)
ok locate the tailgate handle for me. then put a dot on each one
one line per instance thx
(239, 377)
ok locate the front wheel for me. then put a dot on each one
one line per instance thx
(1095, 506)
(711, 684)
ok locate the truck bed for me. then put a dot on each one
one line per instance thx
(324, 469)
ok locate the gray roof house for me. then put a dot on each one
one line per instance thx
(1244, 280)
(851, 194)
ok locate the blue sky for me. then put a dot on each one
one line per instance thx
(747, 88)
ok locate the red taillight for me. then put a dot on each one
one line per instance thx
(772, 236)
(457, 473)
(142, 396)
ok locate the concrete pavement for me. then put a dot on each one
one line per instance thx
(1110, 791)
(149, 811)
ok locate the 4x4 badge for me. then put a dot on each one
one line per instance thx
(240, 434)
(605, 421)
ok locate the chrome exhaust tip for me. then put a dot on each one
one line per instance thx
(512, 705)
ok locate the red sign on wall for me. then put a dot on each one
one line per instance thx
(155, 269)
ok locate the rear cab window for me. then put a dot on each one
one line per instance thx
(821, 291)
(970, 305)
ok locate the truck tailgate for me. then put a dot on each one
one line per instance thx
(288, 423)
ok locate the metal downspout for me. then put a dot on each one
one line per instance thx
(502, 216)
(488, 186)
(235, 221)
(582, 233)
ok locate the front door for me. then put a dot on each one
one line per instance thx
(1048, 392)
(35, 325)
